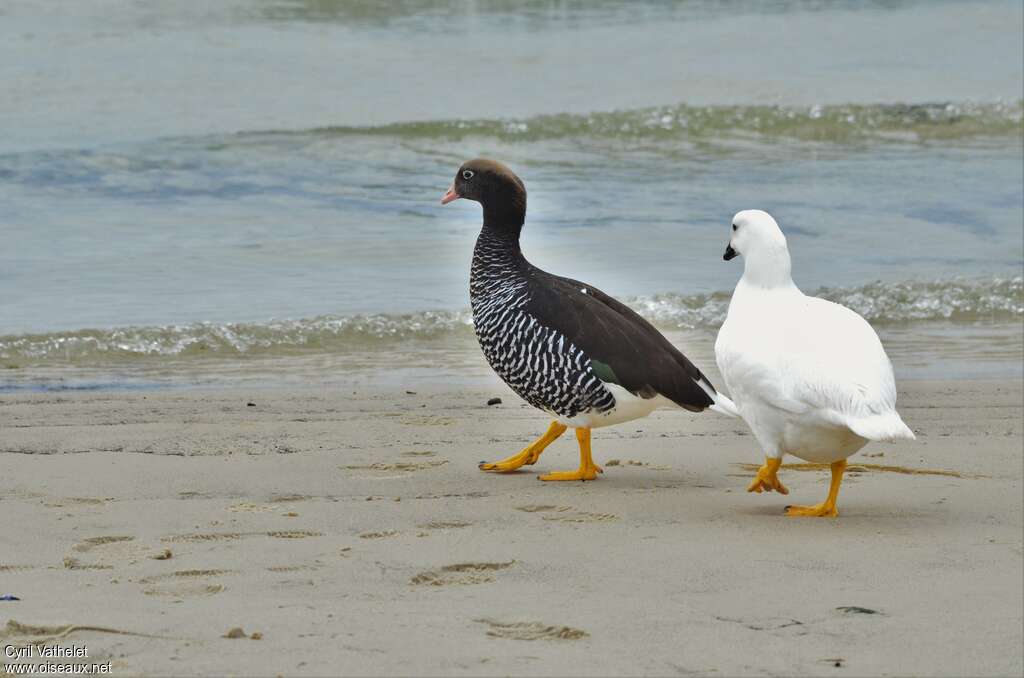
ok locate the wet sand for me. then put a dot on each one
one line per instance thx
(352, 533)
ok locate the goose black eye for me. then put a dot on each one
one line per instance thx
(734, 227)
(467, 174)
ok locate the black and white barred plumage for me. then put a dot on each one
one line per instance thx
(539, 363)
(562, 345)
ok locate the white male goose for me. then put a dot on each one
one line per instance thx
(809, 377)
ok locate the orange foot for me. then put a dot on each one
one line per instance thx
(528, 455)
(827, 508)
(822, 510)
(767, 478)
(588, 470)
(582, 473)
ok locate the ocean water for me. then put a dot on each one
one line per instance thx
(247, 191)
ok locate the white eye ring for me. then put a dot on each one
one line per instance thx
(467, 174)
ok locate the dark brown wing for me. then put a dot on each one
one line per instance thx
(624, 348)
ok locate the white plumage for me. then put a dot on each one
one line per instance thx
(809, 377)
(627, 408)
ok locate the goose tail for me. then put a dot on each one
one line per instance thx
(725, 406)
(719, 402)
(887, 427)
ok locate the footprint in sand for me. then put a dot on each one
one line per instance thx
(99, 553)
(582, 517)
(62, 502)
(444, 525)
(425, 420)
(543, 508)
(90, 543)
(248, 507)
(531, 631)
(566, 514)
(454, 495)
(404, 466)
(290, 497)
(460, 574)
(17, 568)
(76, 564)
(280, 569)
(293, 534)
(183, 583)
(221, 536)
(231, 536)
(418, 453)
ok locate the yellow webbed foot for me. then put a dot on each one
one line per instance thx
(767, 478)
(827, 508)
(822, 510)
(529, 454)
(582, 473)
(588, 470)
(523, 458)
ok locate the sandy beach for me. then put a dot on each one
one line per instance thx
(244, 391)
(350, 533)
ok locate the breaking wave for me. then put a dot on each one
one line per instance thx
(997, 299)
(957, 300)
(835, 123)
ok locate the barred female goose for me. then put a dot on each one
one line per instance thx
(564, 346)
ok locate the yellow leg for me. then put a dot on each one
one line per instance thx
(767, 478)
(828, 507)
(588, 470)
(529, 454)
